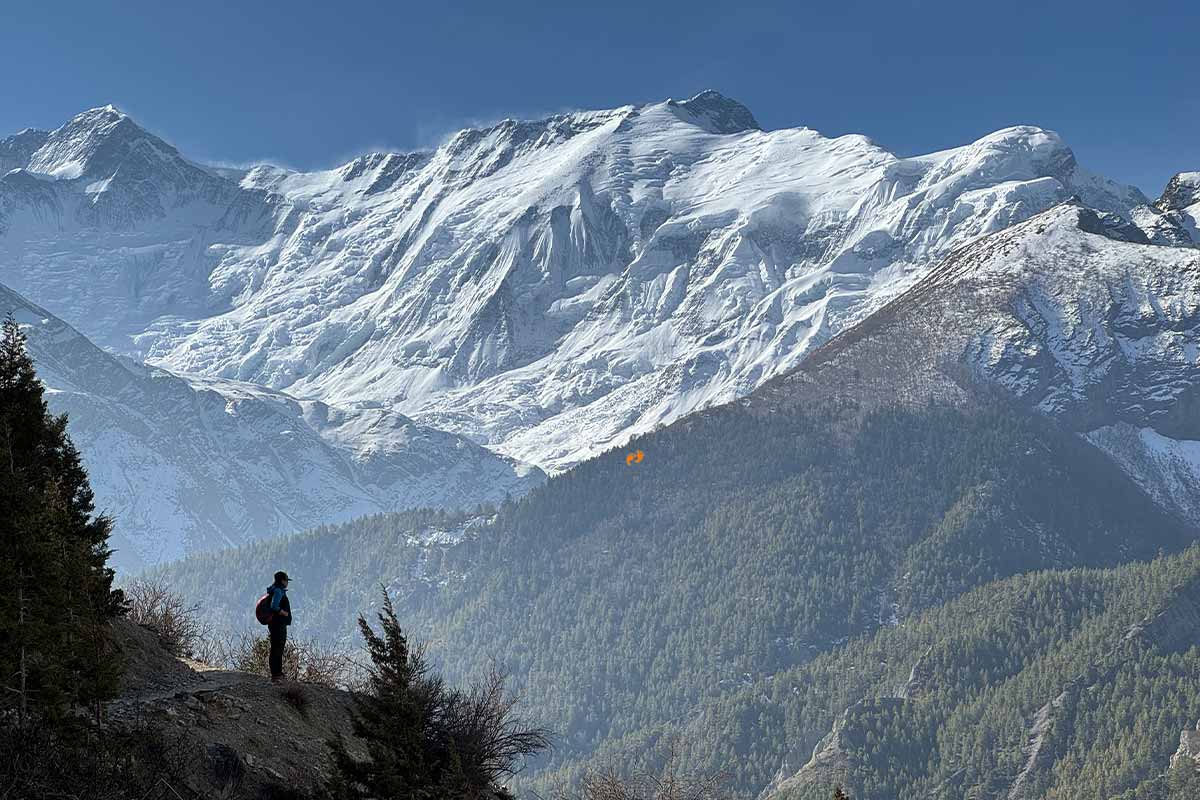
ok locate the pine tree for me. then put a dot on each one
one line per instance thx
(57, 596)
(426, 740)
(392, 716)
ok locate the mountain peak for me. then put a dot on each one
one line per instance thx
(1038, 148)
(1182, 191)
(717, 113)
(106, 111)
(97, 142)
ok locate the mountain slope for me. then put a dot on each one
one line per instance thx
(209, 725)
(186, 464)
(1176, 215)
(546, 288)
(1062, 314)
(1053, 685)
(111, 228)
(945, 442)
(623, 599)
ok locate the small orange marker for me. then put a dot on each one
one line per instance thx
(634, 458)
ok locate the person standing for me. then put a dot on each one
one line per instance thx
(281, 618)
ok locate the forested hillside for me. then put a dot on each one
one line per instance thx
(1065, 684)
(940, 446)
(625, 598)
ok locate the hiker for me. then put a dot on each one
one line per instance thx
(280, 618)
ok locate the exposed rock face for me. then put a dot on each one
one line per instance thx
(1182, 191)
(1174, 219)
(1174, 628)
(835, 755)
(1168, 229)
(830, 762)
(1189, 748)
(17, 150)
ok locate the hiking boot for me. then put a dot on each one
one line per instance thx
(276, 679)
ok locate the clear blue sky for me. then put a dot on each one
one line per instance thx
(310, 84)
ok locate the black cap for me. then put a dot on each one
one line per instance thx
(280, 576)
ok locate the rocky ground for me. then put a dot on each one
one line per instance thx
(234, 734)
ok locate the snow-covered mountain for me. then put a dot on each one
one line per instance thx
(186, 464)
(1072, 313)
(1178, 210)
(546, 288)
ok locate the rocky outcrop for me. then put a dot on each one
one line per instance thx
(920, 677)
(836, 756)
(236, 733)
(1189, 748)
(1173, 629)
(1172, 219)
(830, 762)
(1182, 191)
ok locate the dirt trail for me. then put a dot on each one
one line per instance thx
(206, 679)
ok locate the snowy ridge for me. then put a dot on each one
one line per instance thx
(186, 464)
(112, 228)
(1098, 329)
(1065, 314)
(547, 288)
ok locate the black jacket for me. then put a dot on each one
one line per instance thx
(280, 602)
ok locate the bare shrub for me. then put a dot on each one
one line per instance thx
(609, 785)
(671, 782)
(210, 648)
(179, 626)
(335, 666)
(304, 660)
(483, 730)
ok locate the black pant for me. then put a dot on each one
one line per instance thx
(278, 640)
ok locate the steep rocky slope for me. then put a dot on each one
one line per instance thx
(1081, 692)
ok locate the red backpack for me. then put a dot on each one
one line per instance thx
(262, 610)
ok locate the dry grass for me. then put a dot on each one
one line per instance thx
(182, 631)
(304, 660)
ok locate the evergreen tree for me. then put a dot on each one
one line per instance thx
(392, 717)
(426, 740)
(57, 595)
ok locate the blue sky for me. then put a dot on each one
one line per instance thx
(311, 84)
